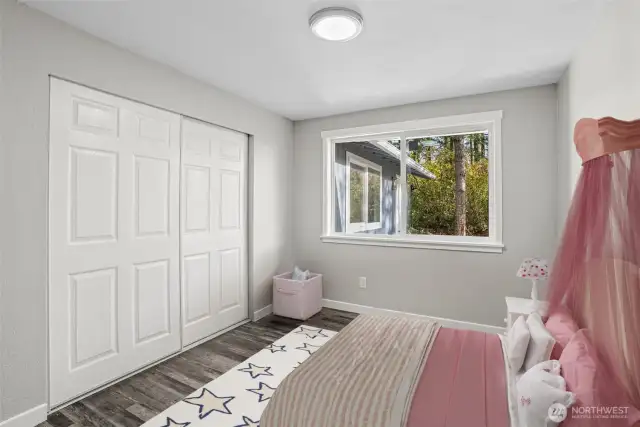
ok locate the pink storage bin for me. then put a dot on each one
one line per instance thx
(297, 299)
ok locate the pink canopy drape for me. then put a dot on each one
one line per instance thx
(596, 273)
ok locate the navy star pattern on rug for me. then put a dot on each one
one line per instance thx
(248, 422)
(263, 391)
(311, 332)
(275, 348)
(309, 348)
(172, 423)
(238, 397)
(208, 402)
(255, 371)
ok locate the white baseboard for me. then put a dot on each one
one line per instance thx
(449, 323)
(29, 418)
(263, 312)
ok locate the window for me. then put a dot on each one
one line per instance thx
(363, 194)
(432, 183)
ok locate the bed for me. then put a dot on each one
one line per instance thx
(399, 372)
(408, 373)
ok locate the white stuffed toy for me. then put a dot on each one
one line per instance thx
(538, 389)
(298, 274)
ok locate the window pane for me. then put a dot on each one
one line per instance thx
(374, 196)
(380, 159)
(356, 193)
(448, 185)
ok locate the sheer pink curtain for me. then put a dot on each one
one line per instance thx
(596, 271)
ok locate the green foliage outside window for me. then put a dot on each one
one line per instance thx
(374, 196)
(356, 194)
(432, 201)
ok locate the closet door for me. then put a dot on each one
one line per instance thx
(114, 238)
(214, 224)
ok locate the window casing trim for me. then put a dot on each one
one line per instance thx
(490, 122)
(417, 242)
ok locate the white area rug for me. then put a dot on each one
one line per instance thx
(238, 397)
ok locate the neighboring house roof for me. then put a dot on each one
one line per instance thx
(389, 152)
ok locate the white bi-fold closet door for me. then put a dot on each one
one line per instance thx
(116, 272)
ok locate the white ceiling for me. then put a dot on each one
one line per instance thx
(408, 51)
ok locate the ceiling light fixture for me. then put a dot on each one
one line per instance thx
(336, 24)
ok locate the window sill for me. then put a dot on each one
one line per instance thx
(416, 243)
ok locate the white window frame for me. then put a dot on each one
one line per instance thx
(397, 211)
(355, 227)
(490, 122)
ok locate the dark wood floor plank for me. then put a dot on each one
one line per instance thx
(172, 387)
(193, 369)
(128, 390)
(179, 376)
(210, 362)
(141, 412)
(112, 408)
(135, 400)
(85, 416)
(58, 419)
(144, 385)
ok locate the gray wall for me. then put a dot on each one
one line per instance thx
(603, 79)
(389, 171)
(458, 285)
(34, 46)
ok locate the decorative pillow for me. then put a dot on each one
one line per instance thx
(541, 343)
(579, 368)
(517, 343)
(592, 386)
(562, 328)
(538, 389)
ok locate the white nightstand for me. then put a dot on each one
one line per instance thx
(522, 307)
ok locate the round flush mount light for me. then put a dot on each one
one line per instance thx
(336, 24)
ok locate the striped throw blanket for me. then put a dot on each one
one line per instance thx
(365, 376)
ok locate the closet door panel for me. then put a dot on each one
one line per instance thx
(213, 229)
(197, 198)
(230, 200)
(93, 195)
(113, 238)
(151, 140)
(232, 149)
(197, 289)
(230, 279)
(84, 274)
(93, 316)
(152, 191)
(151, 300)
(198, 299)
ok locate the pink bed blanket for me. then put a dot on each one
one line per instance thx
(463, 383)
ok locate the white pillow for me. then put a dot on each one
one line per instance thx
(541, 343)
(517, 343)
(538, 389)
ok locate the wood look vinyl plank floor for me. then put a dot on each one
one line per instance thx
(139, 398)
